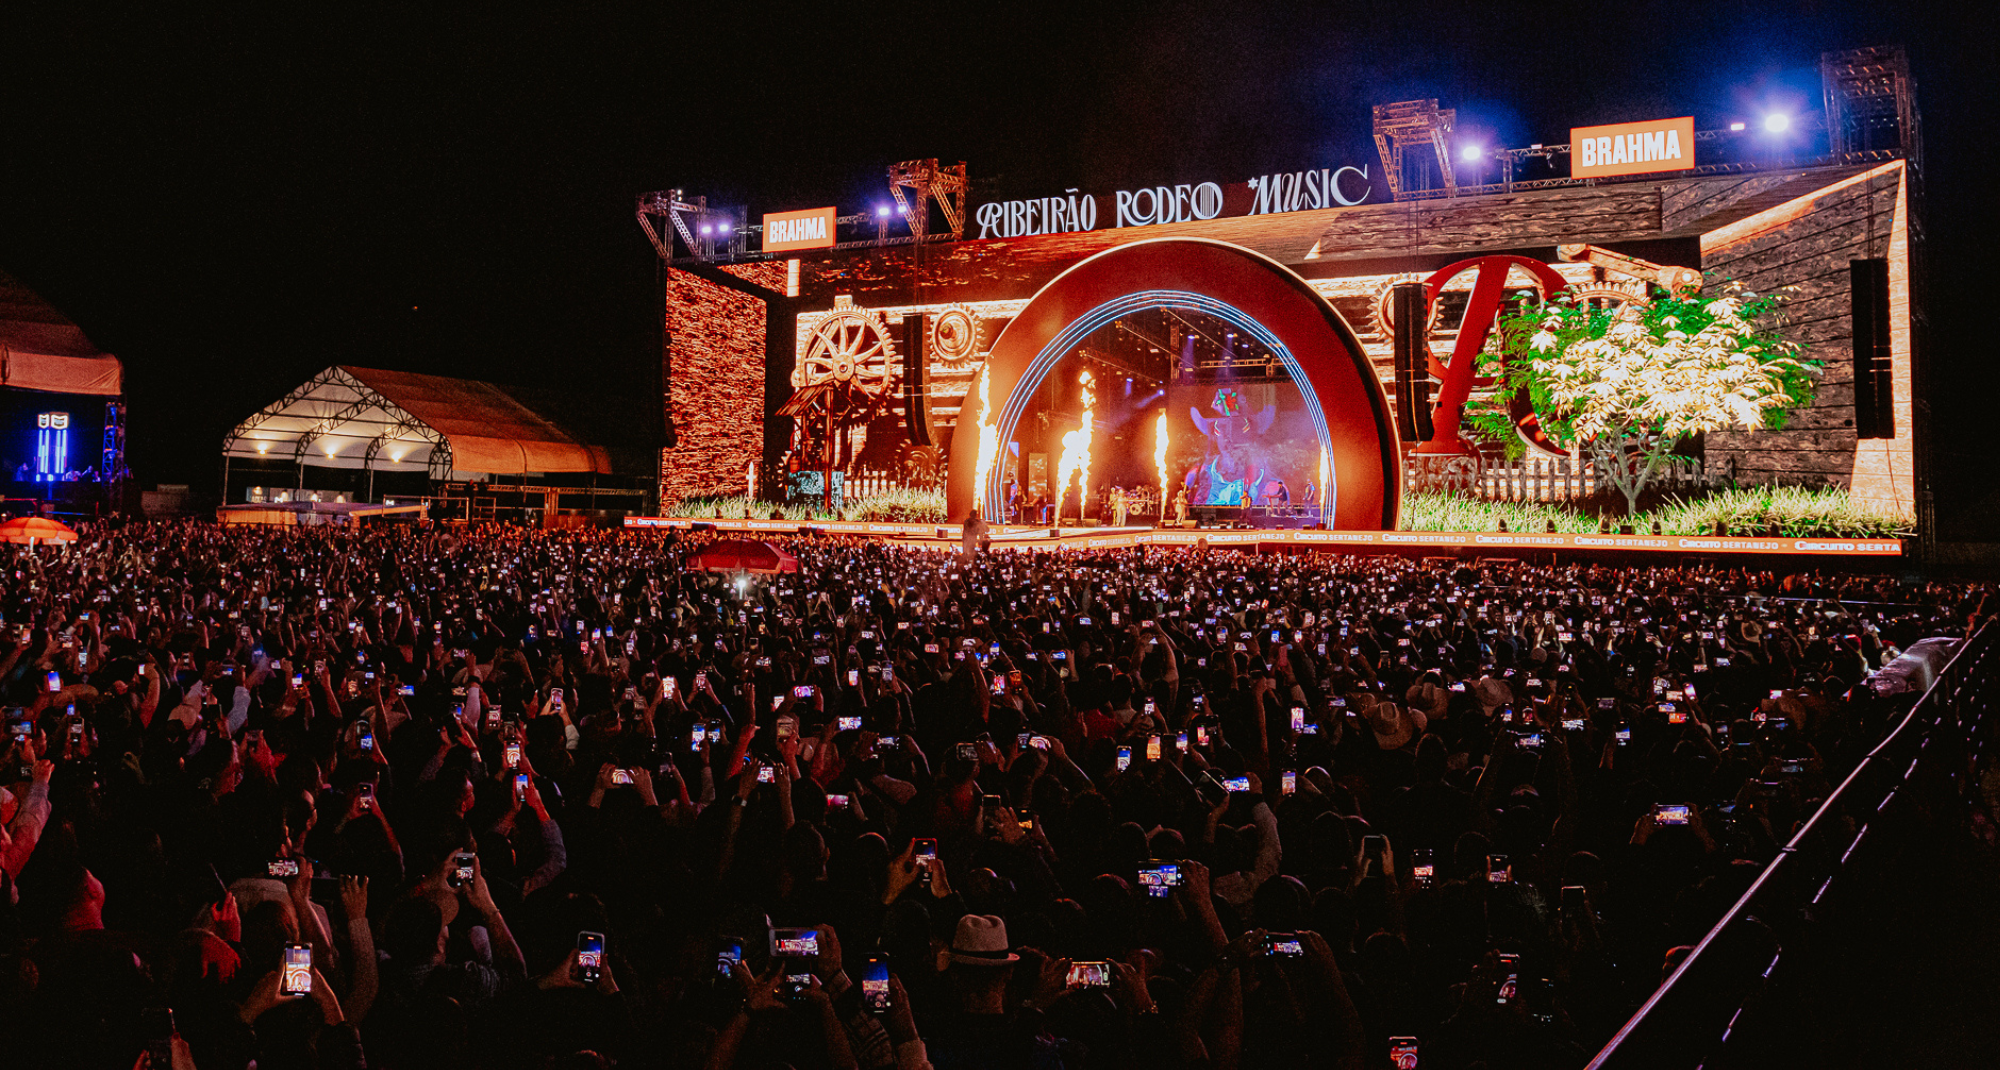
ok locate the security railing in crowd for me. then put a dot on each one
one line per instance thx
(1755, 963)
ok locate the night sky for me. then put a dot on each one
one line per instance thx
(232, 201)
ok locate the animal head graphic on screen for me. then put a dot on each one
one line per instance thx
(1237, 465)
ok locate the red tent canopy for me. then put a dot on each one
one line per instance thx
(742, 555)
(32, 529)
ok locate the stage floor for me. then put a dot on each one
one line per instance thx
(1482, 542)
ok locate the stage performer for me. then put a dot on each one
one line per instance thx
(1119, 506)
(1180, 508)
(1235, 466)
(975, 538)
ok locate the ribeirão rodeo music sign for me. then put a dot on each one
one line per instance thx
(1185, 202)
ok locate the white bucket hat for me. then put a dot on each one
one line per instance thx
(981, 940)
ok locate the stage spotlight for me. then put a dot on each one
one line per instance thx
(707, 229)
(1777, 123)
(722, 228)
(1737, 127)
(883, 211)
(1471, 153)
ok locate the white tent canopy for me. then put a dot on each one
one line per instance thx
(367, 418)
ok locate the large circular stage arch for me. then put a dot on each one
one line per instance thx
(1256, 294)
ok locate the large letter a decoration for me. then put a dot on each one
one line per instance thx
(1488, 289)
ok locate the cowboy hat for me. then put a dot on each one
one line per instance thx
(1394, 726)
(981, 940)
(1428, 697)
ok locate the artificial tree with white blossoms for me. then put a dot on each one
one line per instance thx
(1627, 383)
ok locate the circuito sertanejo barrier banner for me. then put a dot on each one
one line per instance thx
(1042, 538)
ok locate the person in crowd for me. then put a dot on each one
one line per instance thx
(418, 796)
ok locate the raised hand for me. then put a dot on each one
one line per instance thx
(760, 991)
(1008, 826)
(902, 873)
(1194, 881)
(354, 897)
(1128, 987)
(1051, 981)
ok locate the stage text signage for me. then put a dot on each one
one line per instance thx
(1631, 148)
(810, 229)
(1186, 202)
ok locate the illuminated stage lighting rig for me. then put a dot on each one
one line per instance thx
(1871, 102)
(1414, 124)
(927, 180)
(707, 233)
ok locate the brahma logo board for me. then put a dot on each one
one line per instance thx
(1631, 148)
(810, 229)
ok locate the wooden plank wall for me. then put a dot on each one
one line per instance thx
(1805, 246)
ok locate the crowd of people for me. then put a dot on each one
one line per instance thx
(417, 796)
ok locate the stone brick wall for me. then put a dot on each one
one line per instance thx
(1807, 244)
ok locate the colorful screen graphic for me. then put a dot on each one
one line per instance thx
(1256, 444)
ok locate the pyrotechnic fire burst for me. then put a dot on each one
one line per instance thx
(1160, 458)
(989, 441)
(1076, 455)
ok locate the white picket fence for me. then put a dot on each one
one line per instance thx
(1549, 479)
(864, 482)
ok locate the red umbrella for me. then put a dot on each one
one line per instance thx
(34, 529)
(743, 555)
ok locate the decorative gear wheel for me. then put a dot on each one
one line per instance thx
(1613, 293)
(921, 464)
(850, 348)
(954, 339)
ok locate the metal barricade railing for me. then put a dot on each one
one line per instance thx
(1717, 990)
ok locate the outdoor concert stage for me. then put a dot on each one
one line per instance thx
(1423, 543)
(1331, 342)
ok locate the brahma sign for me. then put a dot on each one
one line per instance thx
(810, 229)
(1631, 148)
